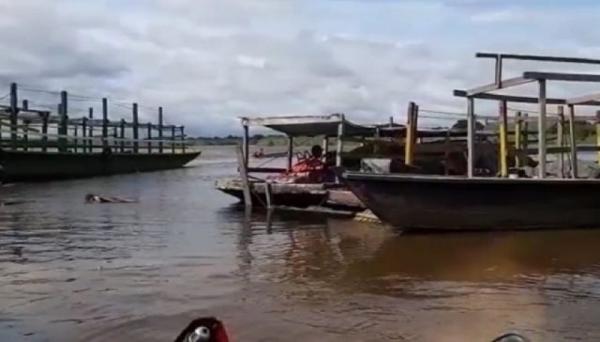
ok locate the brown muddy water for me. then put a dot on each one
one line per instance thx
(139, 272)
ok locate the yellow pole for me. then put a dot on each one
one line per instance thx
(518, 139)
(503, 140)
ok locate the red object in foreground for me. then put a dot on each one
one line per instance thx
(206, 329)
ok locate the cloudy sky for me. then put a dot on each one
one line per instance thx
(210, 61)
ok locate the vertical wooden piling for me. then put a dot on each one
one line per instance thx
(45, 117)
(290, 152)
(340, 142)
(518, 138)
(104, 123)
(542, 129)
(160, 129)
(25, 105)
(91, 130)
(598, 135)
(122, 135)
(525, 142)
(183, 139)
(409, 139)
(62, 140)
(149, 137)
(503, 125)
(84, 133)
(75, 138)
(573, 142)
(173, 139)
(244, 177)
(14, 111)
(115, 143)
(560, 133)
(325, 147)
(135, 128)
(26, 135)
(245, 143)
(470, 137)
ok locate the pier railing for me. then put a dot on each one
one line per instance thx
(32, 129)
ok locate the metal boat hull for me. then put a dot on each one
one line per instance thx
(38, 166)
(445, 203)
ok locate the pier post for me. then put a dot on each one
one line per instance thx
(84, 133)
(26, 135)
(340, 142)
(91, 129)
(244, 177)
(598, 135)
(63, 122)
(290, 152)
(574, 166)
(470, 137)
(14, 111)
(518, 138)
(503, 138)
(172, 138)
(542, 129)
(135, 128)
(25, 105)
(122, 135)
(560, 133)
(104, 123)
(149, 137)
(75, 138)
(115, 143)
(45, 117)
(409, 138)
(183, 139)
(245, 143)
(525, 143)
(160, 129)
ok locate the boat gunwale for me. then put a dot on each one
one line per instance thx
(358, 176)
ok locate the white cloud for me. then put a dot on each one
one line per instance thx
(208, 62)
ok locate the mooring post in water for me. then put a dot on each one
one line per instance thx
(135, 128)
(290, 152)
(409, 138)
(14, 111)
(26, 134)
(25, 105)
(149, 137)
(91, 132)
(598, 135)
(122, 135)
(75, 138)
(84, 133)
(518, 138)
(172, 138)
(503, 138)
(245, 143)
(104, 123)
(470, 137)
(573, 142)
(340, 142)
(45, 117)
(560, 133)
(62, 140)
(244, 176)
(160, 130)
(542, 129)
(183, 139)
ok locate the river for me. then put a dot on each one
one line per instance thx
(72, 271)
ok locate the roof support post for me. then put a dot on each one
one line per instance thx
(290, 152)
(503, 138)
(573, 143)
(245, 145)
(542, 129)
(470, 137)
(560, 133)
(340, 142)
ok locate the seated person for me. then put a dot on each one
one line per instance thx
(309, 169)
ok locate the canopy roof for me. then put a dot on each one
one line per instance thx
(311, 125)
